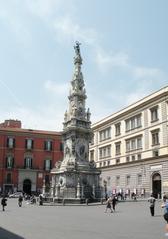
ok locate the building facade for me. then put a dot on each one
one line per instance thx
(26, 157)
(131, 147)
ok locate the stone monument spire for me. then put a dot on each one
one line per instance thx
(77, 94)
(75, 171)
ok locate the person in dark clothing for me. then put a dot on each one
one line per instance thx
(152, 200)
(114, 202)
(40, 200)
(20, 200)
(3, 203)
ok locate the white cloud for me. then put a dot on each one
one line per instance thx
(12, 14)
(43, 8)
(106, 61)
(68, 30)
(143, 72)
(48, 118)
(56, 88)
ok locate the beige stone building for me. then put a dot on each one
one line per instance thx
(131, 147)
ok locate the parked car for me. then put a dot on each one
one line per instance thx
(15, 195)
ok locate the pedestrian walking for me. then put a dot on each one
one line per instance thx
(40, 200)
(114, 202)
(164, 197)
(20, 200)
(165, 206)
(152, 200)
(108, 204)
(3, 203)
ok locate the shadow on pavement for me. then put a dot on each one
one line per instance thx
(4, 234)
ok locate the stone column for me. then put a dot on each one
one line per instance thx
(82, 192)
(52, 189)
(57, 191)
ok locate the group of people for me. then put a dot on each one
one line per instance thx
(111, 203)
(29, 199)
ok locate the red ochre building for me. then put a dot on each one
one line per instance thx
(26, 157)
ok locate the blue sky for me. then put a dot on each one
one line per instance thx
(124, 51)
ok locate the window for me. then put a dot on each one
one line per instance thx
(154, 114)
(127, 159)
(155, 153)
(100, 164)
(128, 179)
(48, 145)
(61, 147)
(117, 160)
(134, 144)
(105, 151)
(8, 178)
(139, 143)
(47, 179)
(104, 163)
(117, 180)
(28, 162)
(105, 134)
(92, 140)
(47, 164)
(9, 162)
(92, 155)
(155, 137)
(127, 146)
(133, 157)
(118, 148)
(139, 156)
(10, 142)
(139, 179)
(29, 144)
(108, 163)
(133, 123)
(118, 129)
(108, 181)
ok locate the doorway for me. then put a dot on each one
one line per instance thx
(27, 186)
(156, 185)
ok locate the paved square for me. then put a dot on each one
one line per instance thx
(131, 220)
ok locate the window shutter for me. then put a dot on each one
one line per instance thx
(61, 147)
(32, 143)
(13, 162)
(50, 164)
(14, 143)
(7, 142)
(25, 163)
(31, 163)
(44, 164)
(45, 145)
(6, 162)
(51, 145)
(26, 143)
